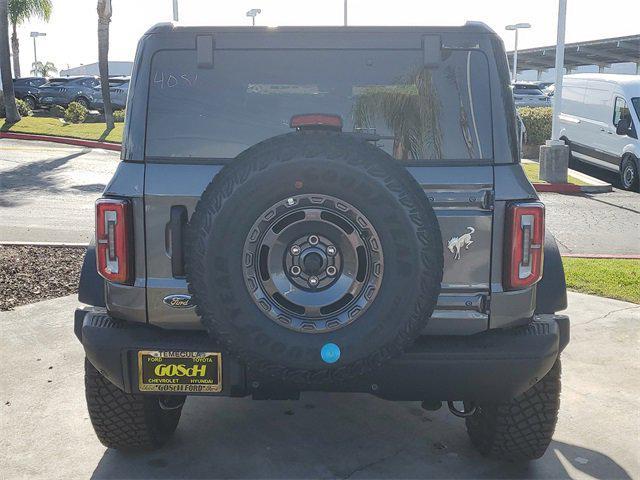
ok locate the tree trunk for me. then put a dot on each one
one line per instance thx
(15, 47)
(103, 62)
(5, 67)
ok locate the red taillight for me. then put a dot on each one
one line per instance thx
(317, 120)
(525, 241)
(114, 239)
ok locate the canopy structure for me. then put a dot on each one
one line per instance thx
(602, 53)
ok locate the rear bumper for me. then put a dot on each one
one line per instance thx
(491, 366)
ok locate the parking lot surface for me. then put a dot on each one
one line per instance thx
(599, 223)
(47, 190)
(47, 434)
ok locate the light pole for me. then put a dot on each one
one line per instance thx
(345, 12)
(35, 35)
(554, 154)
(515, 28)
(253, 13)
(557, 95)
(175, 10)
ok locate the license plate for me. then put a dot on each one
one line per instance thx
(181, 372)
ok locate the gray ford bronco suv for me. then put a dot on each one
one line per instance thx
(323, 209)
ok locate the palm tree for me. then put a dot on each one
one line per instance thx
(19, 12)
(5, 67)
(410, 109)
(104, 17)
(43, 69)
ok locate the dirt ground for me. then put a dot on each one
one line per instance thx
(29, 273)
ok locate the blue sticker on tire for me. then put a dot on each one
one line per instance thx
(330, 353)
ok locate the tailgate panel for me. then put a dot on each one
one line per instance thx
(461, 196)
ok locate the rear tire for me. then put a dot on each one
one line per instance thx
(31, 102)
(521, 429)
(125, 421)
(629, 177)
(82, 101)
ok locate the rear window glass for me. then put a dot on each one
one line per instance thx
(58, 81)
(418, 113)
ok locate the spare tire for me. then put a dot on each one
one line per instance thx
(314, 257)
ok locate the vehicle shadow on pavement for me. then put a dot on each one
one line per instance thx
(334, 436)
(35, 176)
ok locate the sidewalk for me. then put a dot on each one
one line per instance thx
(47, 433)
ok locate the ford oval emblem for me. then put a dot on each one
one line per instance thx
(178, 301)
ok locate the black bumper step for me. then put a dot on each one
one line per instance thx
(494, 365)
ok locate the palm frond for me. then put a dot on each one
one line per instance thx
(21, 10)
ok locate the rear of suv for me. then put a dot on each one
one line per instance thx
(323, 209)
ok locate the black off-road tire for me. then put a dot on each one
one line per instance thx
(307, 163)
(125, 421)
(519, 430)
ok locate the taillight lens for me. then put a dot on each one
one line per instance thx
(114, 239)
(525, 242)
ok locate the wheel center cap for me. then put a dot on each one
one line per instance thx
(312, 263)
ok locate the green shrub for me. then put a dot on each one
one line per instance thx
(75, 113)
(537, 122)
(118, 116)
(57, 111)
(23, 108)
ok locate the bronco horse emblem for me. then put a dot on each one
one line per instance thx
(456, 244)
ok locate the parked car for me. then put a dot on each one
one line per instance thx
(64, 90)
(343, 211)
(600, 121)
(530, 95)
(28, 89)
(118, 88)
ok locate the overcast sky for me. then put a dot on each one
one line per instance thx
(72, 39)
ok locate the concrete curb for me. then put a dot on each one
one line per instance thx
(594, 185)
(66, 140)
(602, 255)
(85, 245)
(44, 244)
(557, 188)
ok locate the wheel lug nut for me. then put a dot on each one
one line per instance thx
(331, 250)
(295, 270)
(313, 239)
(313, 281)
(295, 250)
(331, 270)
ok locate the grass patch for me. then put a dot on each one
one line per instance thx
(532, 170)
(54, 127)
(612, 278)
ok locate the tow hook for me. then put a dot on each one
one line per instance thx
(171, 402)
(464, 413)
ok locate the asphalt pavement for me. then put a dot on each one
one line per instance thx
(46, 432)
(47, 190)
(598, 223)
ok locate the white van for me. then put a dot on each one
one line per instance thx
(600, 121)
